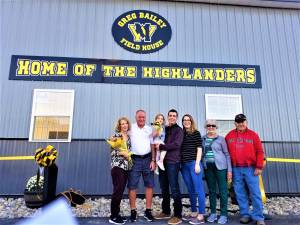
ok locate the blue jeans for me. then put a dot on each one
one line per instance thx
(194, 184)
(245, 176)
(167, 178)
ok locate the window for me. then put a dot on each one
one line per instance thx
(223, 108)
(52, 115)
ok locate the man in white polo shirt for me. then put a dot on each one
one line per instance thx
(143, 164)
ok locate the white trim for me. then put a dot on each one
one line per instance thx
(222, 95)
(35, 91)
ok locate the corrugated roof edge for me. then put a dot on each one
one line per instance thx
(281, 4)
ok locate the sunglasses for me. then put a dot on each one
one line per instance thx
(211, 125)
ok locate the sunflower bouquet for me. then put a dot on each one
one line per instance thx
(157, 132)
(119, 144)
(157, 127)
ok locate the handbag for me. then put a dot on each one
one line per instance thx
(73, 197)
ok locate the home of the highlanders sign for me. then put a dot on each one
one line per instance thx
(43, 68)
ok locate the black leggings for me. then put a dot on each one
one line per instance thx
(119, 180)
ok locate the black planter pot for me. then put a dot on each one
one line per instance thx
(33, 199)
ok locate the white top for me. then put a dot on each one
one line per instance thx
(141, 139)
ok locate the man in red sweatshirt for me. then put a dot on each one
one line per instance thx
(247, 157)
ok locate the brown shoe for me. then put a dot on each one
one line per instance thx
(174, 220)
(162, 216)
(261, 222)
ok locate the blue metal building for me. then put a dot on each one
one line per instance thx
(263, 33)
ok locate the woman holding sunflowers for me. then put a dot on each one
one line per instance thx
(119, 168)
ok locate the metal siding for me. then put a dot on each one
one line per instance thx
(85, 165)
(282, 177)
(82, 165)
(200, 33)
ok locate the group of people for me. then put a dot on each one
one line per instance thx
(238, 157)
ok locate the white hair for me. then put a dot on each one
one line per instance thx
(210, 121)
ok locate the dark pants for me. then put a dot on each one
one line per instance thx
(119, 180)
(213, 177)
(167, 178)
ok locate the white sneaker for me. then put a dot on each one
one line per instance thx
(161, 165)
(156, 171)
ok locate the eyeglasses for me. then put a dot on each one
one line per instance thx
(211, 125)
(186, 120)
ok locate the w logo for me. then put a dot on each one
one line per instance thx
(142, 32)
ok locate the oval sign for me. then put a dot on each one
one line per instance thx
(141, 31)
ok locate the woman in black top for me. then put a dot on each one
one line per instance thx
(191, 169)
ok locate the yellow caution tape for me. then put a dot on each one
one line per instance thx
(16, 158)
(283, 160)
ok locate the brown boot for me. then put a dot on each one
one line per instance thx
(174, 220)
(162, 216)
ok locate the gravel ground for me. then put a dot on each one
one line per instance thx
(100, 207)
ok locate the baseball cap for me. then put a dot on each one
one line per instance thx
(239, 118)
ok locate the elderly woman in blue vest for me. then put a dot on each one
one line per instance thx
(191, 169)
(217, 170)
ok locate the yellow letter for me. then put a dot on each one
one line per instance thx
(23, 66)
(147, 72)
(137, 36)
(120, 24)
(119, 71)
(62, 68)
(48, 68)
(131, 71)
(220, 75)
(157, 71)
(35, 68)
(176, 73)
(197, 74)
(208, 74)
(251, 76)
(165, 72)
(78, 69)
(107, 70)
(89, 69)
(230, 75)
(240, 75)
(186, 74)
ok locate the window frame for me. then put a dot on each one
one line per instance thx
(222, 95)
(33, 115)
